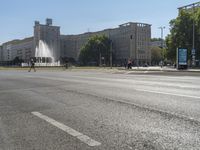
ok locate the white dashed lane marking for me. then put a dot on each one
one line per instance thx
(165, 93)
(87, 140)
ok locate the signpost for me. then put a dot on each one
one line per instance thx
(182, 58)
(193, 57)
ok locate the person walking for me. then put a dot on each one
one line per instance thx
(129, 64)
(32, 65)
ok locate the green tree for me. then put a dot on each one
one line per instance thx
(95, 47)
(181, 33)
(17, 61)
(156, 55)
(155, 39)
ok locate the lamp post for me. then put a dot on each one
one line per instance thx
(162, 55)
(111, 44)
(100, 63)
(193, 38)
(99, 43)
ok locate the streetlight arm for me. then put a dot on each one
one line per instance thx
(162, 28)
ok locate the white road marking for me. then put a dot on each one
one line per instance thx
(69, 130)
(165, 93)
(132, 81)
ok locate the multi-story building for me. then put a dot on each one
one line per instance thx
(129, 40)
(23, 49)
(158, 43)
(7, 53)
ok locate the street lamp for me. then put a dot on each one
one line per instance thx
(162, 55)
(111, 47)
(99, 42)
(193, 38)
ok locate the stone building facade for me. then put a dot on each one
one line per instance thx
(130, 41)
(23, 49)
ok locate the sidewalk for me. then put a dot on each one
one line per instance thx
(158, 68)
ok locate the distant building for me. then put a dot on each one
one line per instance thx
(158, 43)
(23, 49)
(130, 41)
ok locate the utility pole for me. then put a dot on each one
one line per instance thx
(193, 38)
(111, 54)
(100, 64)
(162, 55)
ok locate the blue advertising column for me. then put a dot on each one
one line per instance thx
(182, 60)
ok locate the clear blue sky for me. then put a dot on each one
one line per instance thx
(77, 16)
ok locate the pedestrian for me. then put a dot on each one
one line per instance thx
(32, 65)
(129, 64)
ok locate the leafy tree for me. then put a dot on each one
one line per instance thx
(17, 61)
(156, 55)
(155, 39)
(181, 33)
(91, 51)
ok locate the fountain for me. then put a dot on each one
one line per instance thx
(44, 55)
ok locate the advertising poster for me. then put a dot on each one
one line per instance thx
(182, 56)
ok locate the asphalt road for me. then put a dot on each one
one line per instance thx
(86, 110)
